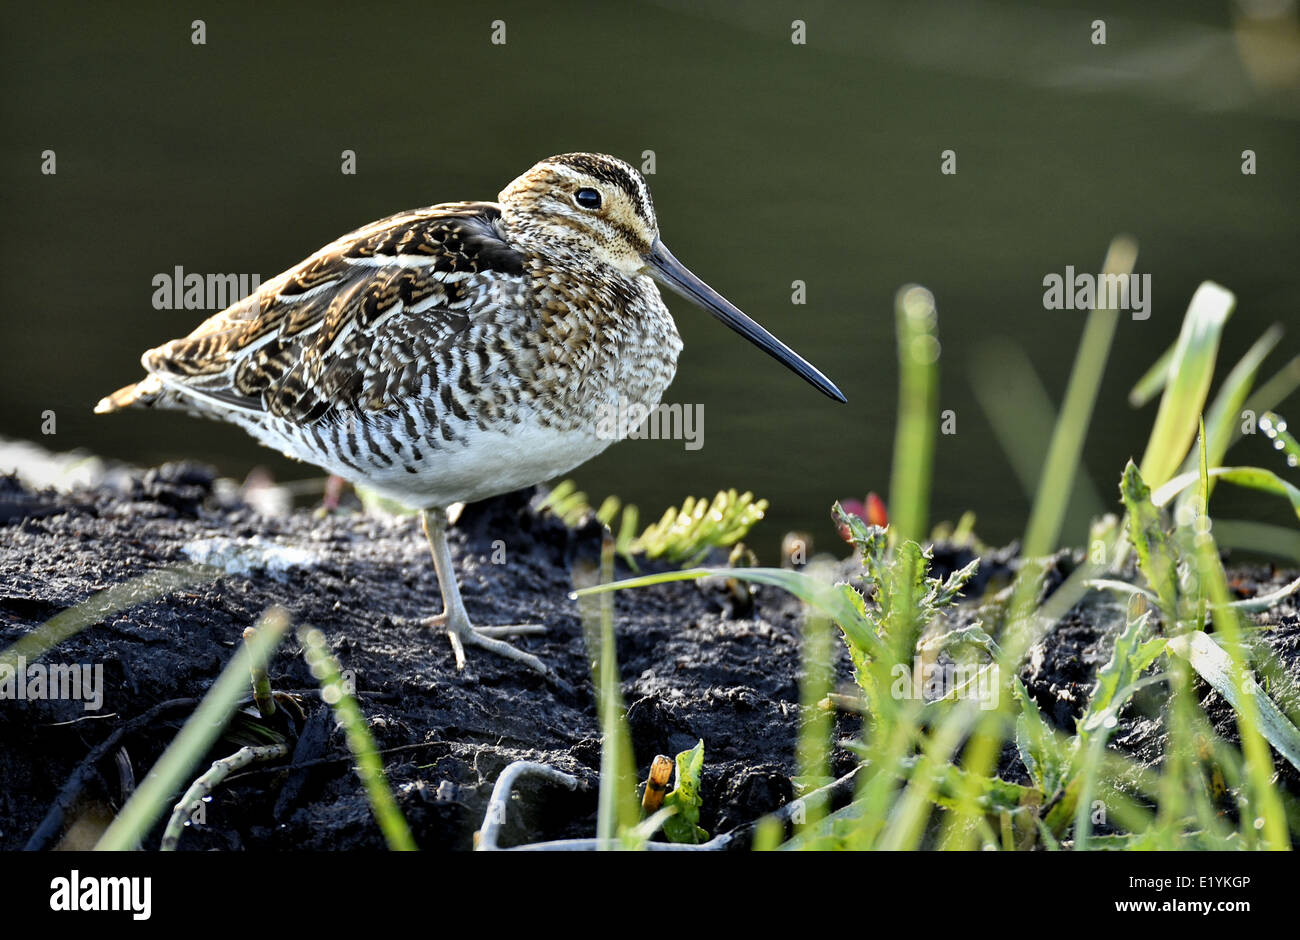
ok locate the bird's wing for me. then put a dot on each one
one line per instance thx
(351, 327)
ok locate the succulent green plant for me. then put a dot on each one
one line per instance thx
(682, 535)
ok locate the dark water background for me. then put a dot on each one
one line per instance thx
(775, 162)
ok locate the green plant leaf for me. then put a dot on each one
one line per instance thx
(862, 673)
(1215, 667)
(952, 784)
(1154, 380)
(901, 593)
(1190, 371)
(687, 534)
(973, 635)
(369, 765)
(1155, 553)
(1223, 417)
(1117, 680)
(685, 799)
(944, 594)
(1043, 755)
(868, 539)
(683, 535)
(1255, 478)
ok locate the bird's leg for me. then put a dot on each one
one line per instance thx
(460, 631)
(333, 492)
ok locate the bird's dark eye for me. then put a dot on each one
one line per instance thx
(587, 198)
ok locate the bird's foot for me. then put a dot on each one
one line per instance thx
(462, 633)
(514, 629)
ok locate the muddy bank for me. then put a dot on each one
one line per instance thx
(692, 666)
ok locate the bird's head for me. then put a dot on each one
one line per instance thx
(590, 203)
(595, 207)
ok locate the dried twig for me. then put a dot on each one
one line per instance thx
(499, 802)
(202, 788)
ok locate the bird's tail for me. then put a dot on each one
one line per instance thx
(141, 394)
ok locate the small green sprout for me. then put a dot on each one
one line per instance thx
(685, 799)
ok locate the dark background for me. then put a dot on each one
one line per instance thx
(775, 161)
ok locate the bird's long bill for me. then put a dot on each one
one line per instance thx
(670, 272)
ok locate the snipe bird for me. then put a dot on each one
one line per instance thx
(456, 352)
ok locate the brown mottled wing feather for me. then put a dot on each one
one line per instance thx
(353, 326)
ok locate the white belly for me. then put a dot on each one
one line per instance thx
(481, 463)
(490, 463)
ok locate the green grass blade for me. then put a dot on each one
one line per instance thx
(1154, 381)
(1191, 370)
(1224, 415)
(617, 809)
(1040, 751)
(813, 746)
(1215, 667)
(1255, 478)
(934, 780)
(1043, 531)
(1203, 481)
(1263, 811)
(1117, 682)
(918, 361)
(1066, 450)
(369, 765)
